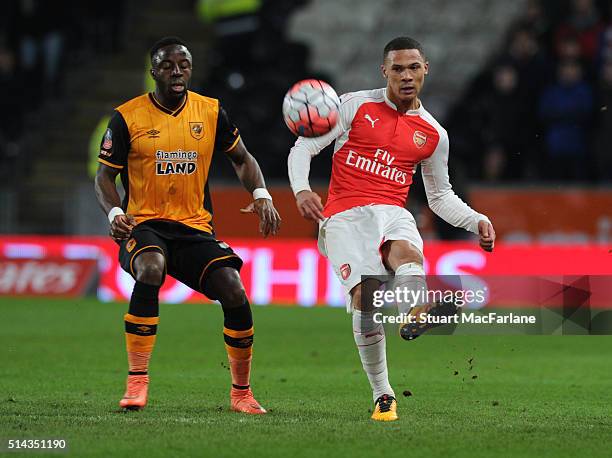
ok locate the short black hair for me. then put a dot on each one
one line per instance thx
(403, 43)
(166, 41)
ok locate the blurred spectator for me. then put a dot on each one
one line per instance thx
(532, 64)
(535, 20)
(11, 116)
(584, 23)
(483, 123)
(41, 27)
(568, 48)
(104, 25)
(565, 109)
(603, 139)
(495, 163)
(502, 110)
(604, 50)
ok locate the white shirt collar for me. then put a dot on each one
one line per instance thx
(416, 112)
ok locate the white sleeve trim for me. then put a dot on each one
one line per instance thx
(440, 195)
(298, 162)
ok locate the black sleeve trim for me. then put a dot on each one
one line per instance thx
(115, 143)
(227, 135)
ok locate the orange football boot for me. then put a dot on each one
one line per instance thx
(385, 408)
(243, 401)
(135, 397)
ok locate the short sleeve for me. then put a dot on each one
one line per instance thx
(115, 143)
(227, 133)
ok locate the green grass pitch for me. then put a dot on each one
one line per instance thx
(63, 366)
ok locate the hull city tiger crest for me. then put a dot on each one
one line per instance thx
(196, 129)
(419, 139)
(129, 246)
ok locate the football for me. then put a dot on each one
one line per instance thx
(311, 108)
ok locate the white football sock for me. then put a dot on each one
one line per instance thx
(370, 340)
(410, 277)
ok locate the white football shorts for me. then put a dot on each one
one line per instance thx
(352, 239)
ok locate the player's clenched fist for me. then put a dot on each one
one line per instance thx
(122, 226)
(487, 235)
(309, 205)
(269, 219)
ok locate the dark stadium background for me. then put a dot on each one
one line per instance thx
(524, 89)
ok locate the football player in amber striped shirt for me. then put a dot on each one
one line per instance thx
(161, 144)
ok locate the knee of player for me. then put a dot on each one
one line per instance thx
(412, 255)
(406, 254)
(151, 273)
(233, 295)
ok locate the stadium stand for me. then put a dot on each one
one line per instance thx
(457, 37)
(494, 66)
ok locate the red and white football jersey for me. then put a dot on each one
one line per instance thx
(376, 153)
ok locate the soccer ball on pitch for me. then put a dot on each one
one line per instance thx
(311, 108)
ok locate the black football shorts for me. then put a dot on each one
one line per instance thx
(191, 255)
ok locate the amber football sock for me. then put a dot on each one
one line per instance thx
(141, 327)
(238, 335)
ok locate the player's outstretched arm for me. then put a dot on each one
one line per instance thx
(298, 163)
(252, 179)
(446, 204)
(121, 225)
(298, 166)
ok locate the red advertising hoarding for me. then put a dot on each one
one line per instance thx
(293, 272)
(47, 276)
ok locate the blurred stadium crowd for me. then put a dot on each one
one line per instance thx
(37, 39)
(538, 110)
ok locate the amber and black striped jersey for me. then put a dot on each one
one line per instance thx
(164, 156)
